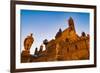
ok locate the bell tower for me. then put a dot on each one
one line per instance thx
(71, 24)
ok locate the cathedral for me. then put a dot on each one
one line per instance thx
(67, 45)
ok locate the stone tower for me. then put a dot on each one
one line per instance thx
(71, 24)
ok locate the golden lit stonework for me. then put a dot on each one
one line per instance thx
(67, 45)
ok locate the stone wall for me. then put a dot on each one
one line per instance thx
(74, 50)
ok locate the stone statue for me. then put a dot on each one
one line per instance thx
(25, 55)
(28, 42)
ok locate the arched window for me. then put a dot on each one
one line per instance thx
(76, 48)
(67, 49)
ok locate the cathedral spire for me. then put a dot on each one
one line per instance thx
(71, 24)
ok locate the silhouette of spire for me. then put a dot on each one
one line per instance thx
(36, 51)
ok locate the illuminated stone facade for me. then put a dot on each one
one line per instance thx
(67, 45)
